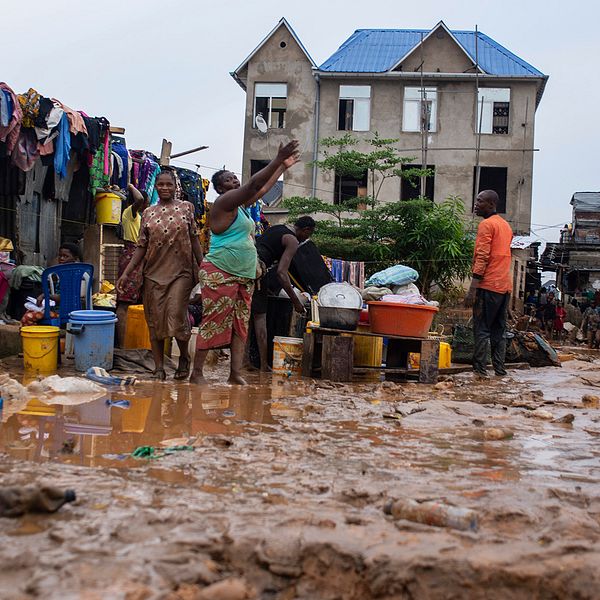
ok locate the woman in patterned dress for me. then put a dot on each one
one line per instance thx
(170, 250)
(228, 273)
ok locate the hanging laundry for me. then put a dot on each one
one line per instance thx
(76, 122)
(192, 189)
(10, 133)
(98, 179)
(30, 105)
(352, 272)
(6, 108)
(93, 133)
(122, 159)
(62, 151)
(46, 124)
(26, 151)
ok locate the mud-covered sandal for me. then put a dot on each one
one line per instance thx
(183, 368)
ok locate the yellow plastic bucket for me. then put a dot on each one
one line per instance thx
(137, 334)
(368, 350)
(40, 348)
(287, 355)
(108, 208)
(445, 360)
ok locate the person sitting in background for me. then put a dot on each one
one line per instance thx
(131, 220)
(67, 253)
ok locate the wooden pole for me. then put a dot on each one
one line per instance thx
(165, 153)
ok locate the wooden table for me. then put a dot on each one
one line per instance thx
(332, 351)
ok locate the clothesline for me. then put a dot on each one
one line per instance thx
(352, 272)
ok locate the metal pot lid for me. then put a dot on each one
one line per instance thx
(340, 295)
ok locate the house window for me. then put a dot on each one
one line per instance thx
(257, 165)
(493, 178)
(493, 110)
(354, 108)
(273, 196)
(347, 188)
(410, 188)
(270, 101)
(420, 109)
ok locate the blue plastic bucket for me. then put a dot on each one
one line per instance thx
(94, 335)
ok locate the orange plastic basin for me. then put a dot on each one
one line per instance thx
(393, 318)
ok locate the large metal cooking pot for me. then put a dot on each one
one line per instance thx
(334, 317)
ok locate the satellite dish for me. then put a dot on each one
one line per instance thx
(261, 124)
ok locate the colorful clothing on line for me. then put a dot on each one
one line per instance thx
(133, 286)
(30, 105)
(10, 133)
(226, 303)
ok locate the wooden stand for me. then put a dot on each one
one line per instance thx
(331, 351)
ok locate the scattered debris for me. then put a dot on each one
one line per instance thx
(590, 401)
(568, 418)
(17, 501)
(497, 433)
(433, 513)
(540, 413)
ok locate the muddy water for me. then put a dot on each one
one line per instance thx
(281, 493)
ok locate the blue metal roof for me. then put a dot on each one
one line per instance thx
(378, 50)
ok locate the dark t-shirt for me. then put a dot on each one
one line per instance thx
(269, 245)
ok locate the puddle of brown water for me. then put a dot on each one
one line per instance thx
(102, 433)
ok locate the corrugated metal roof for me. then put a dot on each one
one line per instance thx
(586, 201)
(378, 50)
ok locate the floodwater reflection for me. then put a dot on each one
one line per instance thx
(104, 431)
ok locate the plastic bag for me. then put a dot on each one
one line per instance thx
(396, 275)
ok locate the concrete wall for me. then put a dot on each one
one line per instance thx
(456, 124)
(439, 54)
(456, 120)
(274, 64)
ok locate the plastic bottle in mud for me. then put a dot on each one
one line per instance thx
(16, 501)
(432, 513)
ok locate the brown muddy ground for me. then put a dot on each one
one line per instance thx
(282, 496)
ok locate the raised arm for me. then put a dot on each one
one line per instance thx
(261, 182)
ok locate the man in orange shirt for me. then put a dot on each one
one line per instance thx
(491, 285)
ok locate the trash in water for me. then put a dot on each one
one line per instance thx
(16, 501)
(433, 513)
(100, 375)
(118, 403)
(67, 385)
(150, 452)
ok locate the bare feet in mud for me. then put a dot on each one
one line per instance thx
(236, 379)
(198, 379)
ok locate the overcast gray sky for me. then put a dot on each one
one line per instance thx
(161, 69)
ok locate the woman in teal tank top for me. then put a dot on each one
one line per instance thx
(229, 269)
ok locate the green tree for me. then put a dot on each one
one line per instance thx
(432, 238)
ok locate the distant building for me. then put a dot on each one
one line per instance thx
(474, 93)
(576, 258)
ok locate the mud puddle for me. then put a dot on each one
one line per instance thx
(282, 493)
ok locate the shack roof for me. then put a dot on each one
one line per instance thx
(586, 202)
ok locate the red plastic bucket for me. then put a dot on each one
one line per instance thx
(393, 318)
